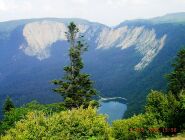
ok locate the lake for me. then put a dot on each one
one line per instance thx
(113, 107)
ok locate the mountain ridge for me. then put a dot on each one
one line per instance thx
(171, 16)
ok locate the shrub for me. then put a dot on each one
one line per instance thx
(136, 127)
(16, 114)
(167, 110)
(157, 104)
(77, 124)
(181, 114)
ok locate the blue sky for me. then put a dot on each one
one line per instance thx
(110, 12)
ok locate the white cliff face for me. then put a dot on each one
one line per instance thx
(149, 48)
(41, 35)
(110, 37)
(144, 40)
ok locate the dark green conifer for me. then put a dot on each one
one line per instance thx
(8, 105)
(176, 79)
(75, 87)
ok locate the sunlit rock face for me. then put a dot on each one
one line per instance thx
(145, 41)
(149, 47)
(41, 35)
(111, 37)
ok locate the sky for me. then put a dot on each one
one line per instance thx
(109, 12)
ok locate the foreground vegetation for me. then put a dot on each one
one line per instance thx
(72, 124)
(35, 121)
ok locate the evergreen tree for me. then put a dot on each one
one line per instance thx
(176, 79)
(8, 105)
(75, 87)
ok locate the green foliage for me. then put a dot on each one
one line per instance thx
(75, 124)
(76, 87)
(182, 99)
(176, 85)
(180, 115)
(16, 114)
(11, 117)
(176, 79)
(157, 105)
(174, 110)
(8, 105)
(136, 127)
(166, 109)
(161, 111)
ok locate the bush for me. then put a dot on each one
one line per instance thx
(16, 114)
(157, 105)
(136, 127)
(77, 124)
(167, 110)
(181, 114)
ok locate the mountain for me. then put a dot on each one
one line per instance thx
(170, 18)
(127, 61)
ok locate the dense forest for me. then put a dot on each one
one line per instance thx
(76, 118)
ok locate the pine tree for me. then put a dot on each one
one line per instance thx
(8, 105)
(75, 87)
(176, 79)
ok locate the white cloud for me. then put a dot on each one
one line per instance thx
(109, 12)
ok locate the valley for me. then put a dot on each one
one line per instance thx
(125, 61)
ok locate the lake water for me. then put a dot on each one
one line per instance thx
(114, 108)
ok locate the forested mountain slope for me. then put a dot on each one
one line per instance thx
(127, 60)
